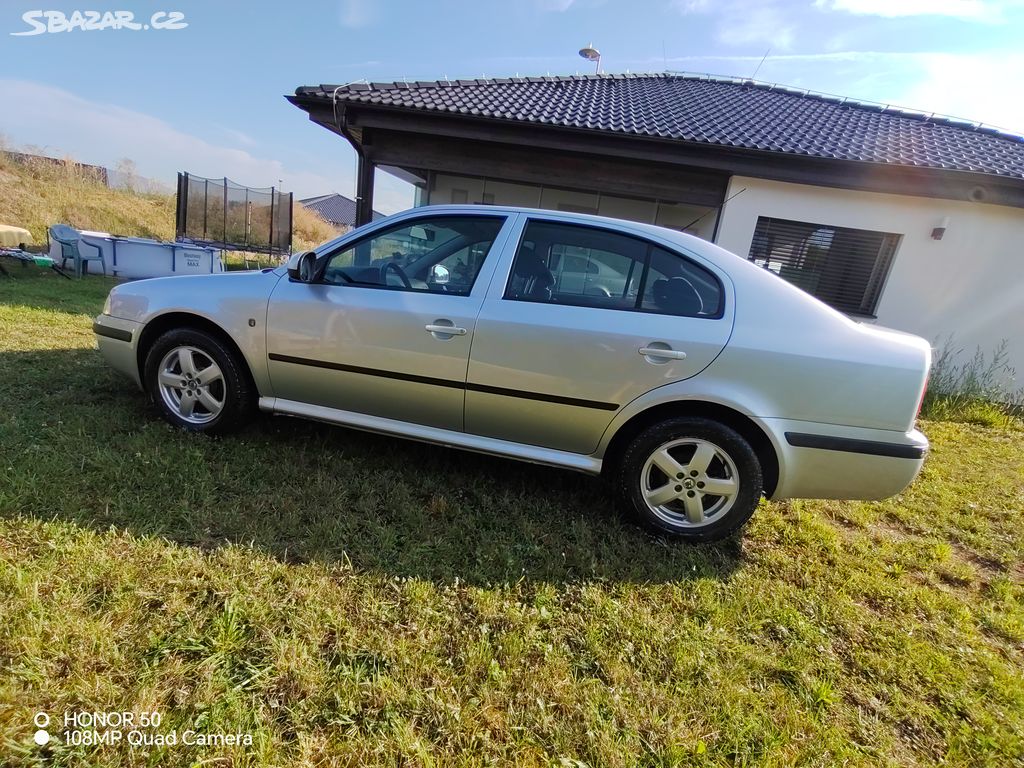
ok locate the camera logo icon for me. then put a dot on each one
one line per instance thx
(41, 736)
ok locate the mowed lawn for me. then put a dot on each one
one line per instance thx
(349, 599)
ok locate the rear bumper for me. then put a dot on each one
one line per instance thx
(117, 341)
(822, 461)
(898, 450)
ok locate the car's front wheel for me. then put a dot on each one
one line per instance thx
(692, 478)
(197, 382)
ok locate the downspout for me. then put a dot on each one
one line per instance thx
(364, 189)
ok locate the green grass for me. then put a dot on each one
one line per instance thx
(970, 410)
(349, 599)
(980, 389)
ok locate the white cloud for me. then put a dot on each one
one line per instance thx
(811, 58)
(61, 123)
(763, 25)
(357, 13)
(239, 137)
(692, 6)
(971, 86)
(741, 22)
(981, 10)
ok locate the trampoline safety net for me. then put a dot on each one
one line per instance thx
(223, 214)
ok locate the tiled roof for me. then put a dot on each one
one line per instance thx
(336, 209)
(703, 109)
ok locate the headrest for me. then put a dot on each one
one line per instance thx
(529, 264)
(678, 296)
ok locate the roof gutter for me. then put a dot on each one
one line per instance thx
(338, 110)
(364, 173)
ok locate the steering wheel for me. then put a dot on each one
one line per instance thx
(398, 271)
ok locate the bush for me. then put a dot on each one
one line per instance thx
(309, 230)
(978, 391)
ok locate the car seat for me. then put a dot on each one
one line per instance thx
(533, 278)
(677, 296)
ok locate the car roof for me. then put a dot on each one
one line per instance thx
(673, 237)
(690, 241)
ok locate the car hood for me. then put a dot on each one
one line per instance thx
(140, 299)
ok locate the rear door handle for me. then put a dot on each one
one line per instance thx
(665, 354)
(448, 330)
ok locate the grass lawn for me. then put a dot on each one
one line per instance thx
(347, 599)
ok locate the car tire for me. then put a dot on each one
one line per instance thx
(667, 476)
(198, 383)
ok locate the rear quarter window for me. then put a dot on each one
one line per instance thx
(677, 286)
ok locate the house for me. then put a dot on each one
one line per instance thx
(335, 209)
(906, 219)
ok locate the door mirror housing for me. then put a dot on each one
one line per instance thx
(301, 266)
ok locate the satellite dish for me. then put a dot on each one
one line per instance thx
(590, 53)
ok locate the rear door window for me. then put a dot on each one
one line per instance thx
(578, 265)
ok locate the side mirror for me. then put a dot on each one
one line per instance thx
(301, 266)
(440, 275)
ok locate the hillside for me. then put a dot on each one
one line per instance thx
(38, 194)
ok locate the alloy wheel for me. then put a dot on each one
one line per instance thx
(191, 384)
(689, 482)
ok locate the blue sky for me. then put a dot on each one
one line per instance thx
(208, 98)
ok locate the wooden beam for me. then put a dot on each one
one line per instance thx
(364, 191)
(571, 170)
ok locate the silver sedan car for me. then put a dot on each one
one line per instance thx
(695, 381)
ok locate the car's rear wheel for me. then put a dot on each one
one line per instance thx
(197, 382)
(692, 478)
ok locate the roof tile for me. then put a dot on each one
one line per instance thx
(711, 111)
(334, 208)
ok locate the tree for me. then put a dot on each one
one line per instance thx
(127, 174)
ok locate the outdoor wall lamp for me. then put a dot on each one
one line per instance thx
(940, 230)
(590, 53)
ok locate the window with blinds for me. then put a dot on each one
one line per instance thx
(845, 268)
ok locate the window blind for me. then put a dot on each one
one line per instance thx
(846, 268)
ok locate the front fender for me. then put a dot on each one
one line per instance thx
(234, 303)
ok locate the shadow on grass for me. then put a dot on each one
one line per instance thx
(36, 288)
(83, 445)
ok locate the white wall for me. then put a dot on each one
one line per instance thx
(969, 284)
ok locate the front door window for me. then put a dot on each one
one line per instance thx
(442, 254)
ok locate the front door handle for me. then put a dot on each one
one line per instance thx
(446, 330)
(663, 353)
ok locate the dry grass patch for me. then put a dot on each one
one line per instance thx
(35, 195)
